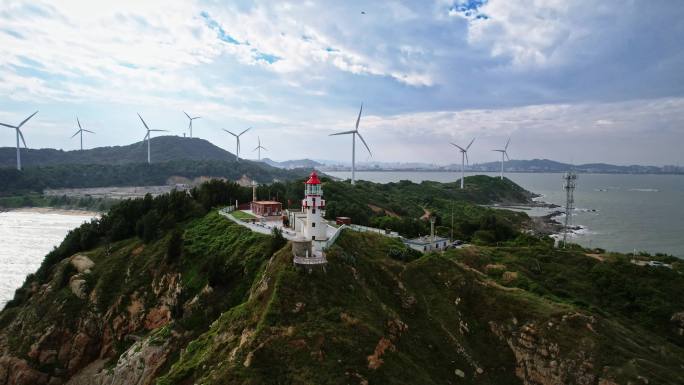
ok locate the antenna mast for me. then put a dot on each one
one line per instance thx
(570, 182)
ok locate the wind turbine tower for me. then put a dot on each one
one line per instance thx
(80, 131)
(148, 137)
(259, 148)
(237, 142)
(504, 153)
(570, 182)
(354, 133)
(191, 119)
(19, 135)
(464, 159)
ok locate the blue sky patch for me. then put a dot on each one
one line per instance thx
(12, 33)
(220, 32)
(469, 8)
(270, 59)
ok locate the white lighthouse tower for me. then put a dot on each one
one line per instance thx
(315, 228)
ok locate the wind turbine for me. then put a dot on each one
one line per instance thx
(80, 131)
(19, 134)
(148, 137)
(191, 119)
(354, 133)
(237, 143)
(259, 147)
(504, 153)
(464, 159)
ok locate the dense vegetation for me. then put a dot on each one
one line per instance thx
(164, 149)
(36, 179)
(405, 206)
(240, 312)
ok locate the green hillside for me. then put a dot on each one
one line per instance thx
(163, 149)
(38, 178)
(166, 291)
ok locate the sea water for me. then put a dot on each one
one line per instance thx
(619, 212)
(25, 238)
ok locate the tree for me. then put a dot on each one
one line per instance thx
(277, 240)
(174, 248)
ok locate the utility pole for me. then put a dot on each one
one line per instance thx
(569, 185)
(432, 228)
(452, 222)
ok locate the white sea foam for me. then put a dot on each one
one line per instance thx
(644, 189)
(26, 238)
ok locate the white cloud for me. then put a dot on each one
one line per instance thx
(533, 32)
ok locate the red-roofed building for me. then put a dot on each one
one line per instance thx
(267, 208)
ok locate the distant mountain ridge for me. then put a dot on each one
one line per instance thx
(533, 165)
(163, 149)
(172, 158)
(546, 165)
(297, 163)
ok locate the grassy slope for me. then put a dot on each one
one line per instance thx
(321, 328)
(411, 201)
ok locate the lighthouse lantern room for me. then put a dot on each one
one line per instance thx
(315, 227)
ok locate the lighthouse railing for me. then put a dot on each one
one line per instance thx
(334, 237)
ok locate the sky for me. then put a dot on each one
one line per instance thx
(575, 81)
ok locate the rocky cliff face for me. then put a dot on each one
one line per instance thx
(60, 337)
(232, 311)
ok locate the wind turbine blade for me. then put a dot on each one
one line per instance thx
(471, 143)
(143, 122)
(77, 132)
(6, 125)
(196, 117)
(507, 156)
(245, 131)
(186, 114)
(343, 133)
(22, 137)
(467, 161)
(79, 123)
(256, 148)
(26, 120)
(459, 147)
(159, 130)
(507, 143)
(359, 118)
(365, 144)
(229, 132)
(264, 148)
(88, 131)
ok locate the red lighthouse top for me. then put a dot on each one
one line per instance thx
(313, 179)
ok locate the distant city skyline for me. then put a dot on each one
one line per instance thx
(576, 82)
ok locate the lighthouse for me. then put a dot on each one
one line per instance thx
(313, 204)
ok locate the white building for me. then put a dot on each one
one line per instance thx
(427, 244)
